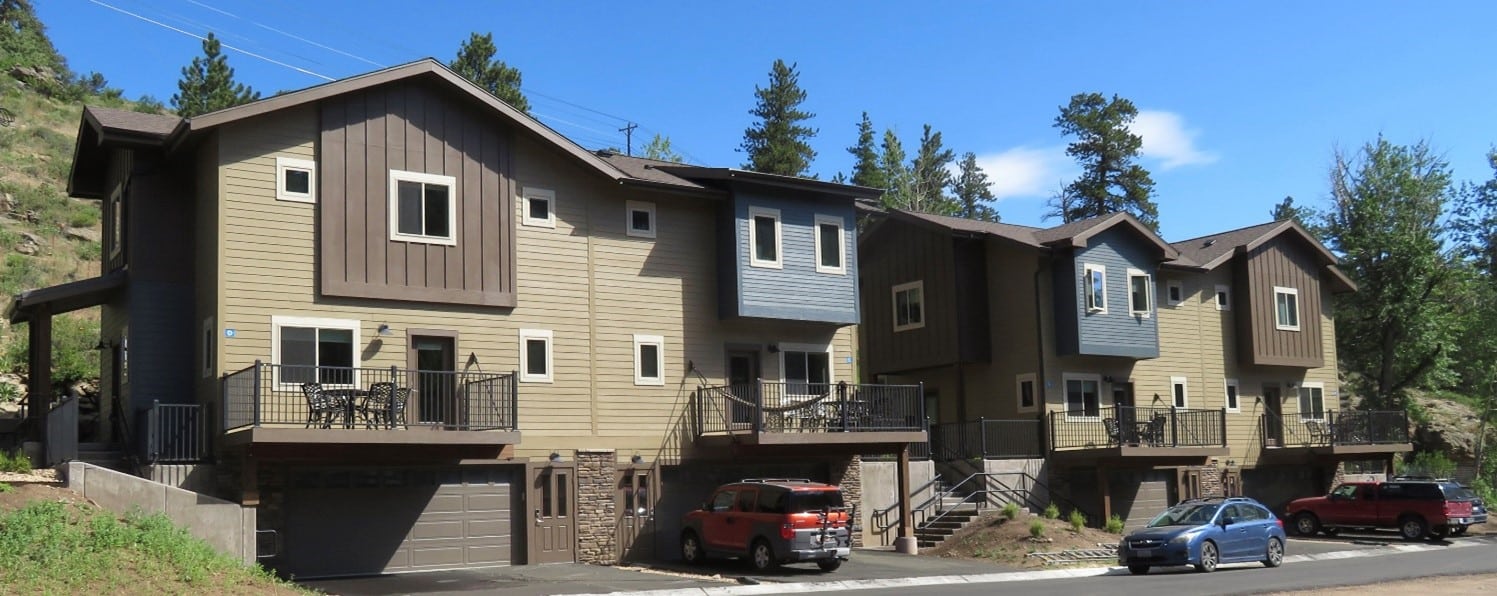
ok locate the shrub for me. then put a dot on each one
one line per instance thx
(1078, 521)
(1114, 524)
(15, 461)
(90, 251)
(5, 488)
(1011, 510)
(1052, 512)
(83, 216)
(1430, 463)
(1037, 528)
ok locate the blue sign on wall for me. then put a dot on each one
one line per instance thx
(229, 333)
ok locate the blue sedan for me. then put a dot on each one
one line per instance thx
(1206, 533)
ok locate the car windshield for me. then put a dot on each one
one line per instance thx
(1461, 493)
(1193, 514)
(809, 501)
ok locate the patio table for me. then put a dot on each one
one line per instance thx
(349, 398)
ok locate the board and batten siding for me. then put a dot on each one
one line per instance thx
(1116, 332)
(1283, 262)
(796, 290)
(902, 253)
(413, 128)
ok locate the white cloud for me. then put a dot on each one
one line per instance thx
(1027, 171)
(1167, 139)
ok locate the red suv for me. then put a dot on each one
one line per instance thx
(1416, 507)
(770, 521)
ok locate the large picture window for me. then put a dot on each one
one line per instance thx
(423, 208)
(312, 350)
(1083, 396)
(807, 369)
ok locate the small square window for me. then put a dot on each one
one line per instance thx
(1174, 292)
(764, 237)
(539, 205)
(909, 306)
(641, 219)
(831, 246)
(535, 356)
(1223, 298)
(423, 208)
(1286, 309)
(1025, 392)
(295, 179)
(1140, 295)
(649, 360)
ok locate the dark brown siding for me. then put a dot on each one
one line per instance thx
(1286, 263)
(902, 253)
(411, 127)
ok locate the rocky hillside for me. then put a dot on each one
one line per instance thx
(1451, 427)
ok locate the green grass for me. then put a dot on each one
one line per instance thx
(15, 461)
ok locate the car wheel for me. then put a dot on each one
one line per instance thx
(1209, 557)
(761, 556)
(1459, 530)
(829, 565)
(1439, 533)
(1138, 569)
(1306, 524)
(691, 548)
(1275, 553)
(1412, 527)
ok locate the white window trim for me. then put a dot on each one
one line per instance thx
(1174, 284)
(1308, 416)
(659, 343)
(1280, 325)
(279, 321)
(753, 238)
(1231, 384)
(1086, 288)
(629, 208)
(1148, 293)
(841, 268)
(525, 375)
(1222, 291)
(1065, 396)
(549, 196)
(209, 337)
(397, 176)
(1184, 384)
(831, 359)
(894, 298)
(1034, 389)
(291, 163)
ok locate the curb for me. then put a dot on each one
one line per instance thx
(993, 578)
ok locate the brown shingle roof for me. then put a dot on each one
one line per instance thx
(645, 169)
(113, 120)
(1076, 232)
(1022, 234)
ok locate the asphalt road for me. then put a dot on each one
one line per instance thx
(1249, 578)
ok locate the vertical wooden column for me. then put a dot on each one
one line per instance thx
(1106, 491)
(905, 542)
(39, 362)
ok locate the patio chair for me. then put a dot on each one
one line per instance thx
(1114, 434)
(385, 405)
(1320, 432)
(321, 408)
(1154, 435)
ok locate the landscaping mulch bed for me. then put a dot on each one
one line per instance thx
(997, 539)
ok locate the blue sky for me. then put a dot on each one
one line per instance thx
(1241, 103)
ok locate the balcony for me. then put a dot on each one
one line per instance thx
(1336, 433)
(302, 405)
(867, 417)
(1137, 431)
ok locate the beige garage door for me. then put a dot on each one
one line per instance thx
(1137, 496)
(360, 521)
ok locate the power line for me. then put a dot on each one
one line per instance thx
(226, 46)
(290, 35)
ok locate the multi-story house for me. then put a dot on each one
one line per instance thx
(1145, 371)
(421, 330)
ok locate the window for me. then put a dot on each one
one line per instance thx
(1094, 284)
(311, 350)
(1286, 308)
(1025, 391)
(807, 369)
(1140, 303)
(764, 237)
(641, 219)
(423, 208)
(909, 306)
(1178, 391)
(1174, 292)
(535, 355)
(539, 206)
(295, 180)
(117, 222)
(649, 360)
(1312, 401)
(831, 247)
(1234, 401)
(1083, 395)
(1223, 298)
(210, 353)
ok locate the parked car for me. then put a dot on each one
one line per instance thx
(1478, 510)
(1206, 533)
(1417, 508)
(770, 521)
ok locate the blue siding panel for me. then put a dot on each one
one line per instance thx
(796, 291)
(1115, 332)
(161, 365)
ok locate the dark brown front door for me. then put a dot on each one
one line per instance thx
(1273, 416)
(743, 377)
(434, 379)
(553, 522)
(1122, 394)
(635, 500)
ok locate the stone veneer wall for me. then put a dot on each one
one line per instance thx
(597, 524)
(1211, 481)
(849, 475)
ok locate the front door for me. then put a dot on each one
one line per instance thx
(434, 379)
(635, 500)
(1127, 416)
(553, 525)
(1273, 416)
(743, 377)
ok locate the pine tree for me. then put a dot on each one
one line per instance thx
(475, 61)
(866, 171)
(24, 41)
(930, 176)
(898, 184)
(1306, 217)
(207, 85)
(1110, 180)
(659, 148)
(777, 142)
(973, 191)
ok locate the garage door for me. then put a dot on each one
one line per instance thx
(1137, 496)
(360, 521)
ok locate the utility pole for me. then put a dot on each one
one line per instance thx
(628, 131)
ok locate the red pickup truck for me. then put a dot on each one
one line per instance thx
(1416, 508)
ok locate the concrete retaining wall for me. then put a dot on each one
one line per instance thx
(1039, 469)
(881, 489)
(226, 526)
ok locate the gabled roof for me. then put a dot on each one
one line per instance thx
(110, 120)
(701, 173)
(1209, 252)
(1075, 234)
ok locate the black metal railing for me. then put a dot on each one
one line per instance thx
(780, 407)
(390, 398)
(175, 433)
(1115, 426)
(987, 439)
(1370, 427)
